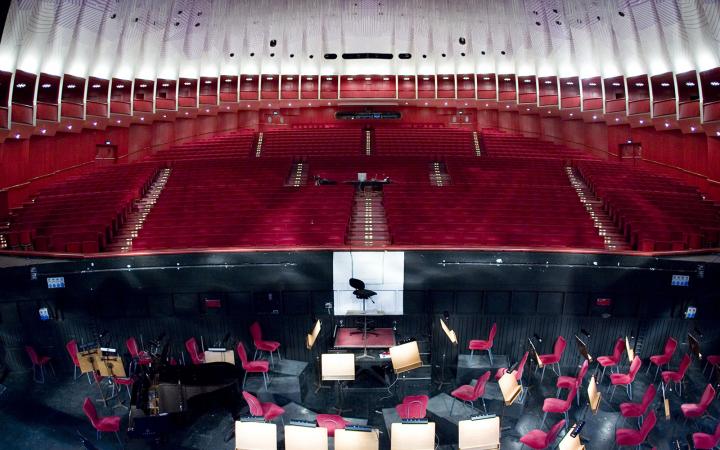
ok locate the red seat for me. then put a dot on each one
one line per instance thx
(413, 407)
(72, 349)
(122, 381)
(614, 360)
(518, 372)
(677, 377)
(38, 363)
(704, 441)
(478, 344)
(713, 360)
(142, 358)
(331, 422)
(109, 424)
(695, 410)
(566, 382)
(626, 379)
(559, 406)
(469, 393)
(631, 438)
(195, 355)
(258, 366)
(554, 357)
(659, 360)
(261, 345)
(639, 409)
(268, 411)
(538, 439)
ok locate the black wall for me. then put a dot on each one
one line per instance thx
(525, 293)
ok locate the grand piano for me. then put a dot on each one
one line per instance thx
(164, 396)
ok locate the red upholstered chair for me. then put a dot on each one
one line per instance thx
(659, 360)
(258, 366)
(142, 358)
(538, 439)
(713, 360)
(38, 363)
(263, 346)
(639, 409)
(554, 357)
(269, 411)
(469, 393)
(704, 441)
(626, 379)
(695, 410)
(626, 437)
(118, 382)
(478, 344)
(413, 407)
(559, 406)
(677, 377)
(518, 373)
(331, 422)
(614, 359)
(109, 424)
(195, 355)
(72, 349)
(566, 382)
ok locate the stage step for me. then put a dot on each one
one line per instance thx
(135, 220)
(614, 240)
(368, 225)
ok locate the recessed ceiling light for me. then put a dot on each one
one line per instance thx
(386, 79)
(17, 136)
(594, 117)
(248, 79)
(406, 78)
(486, 78)
(667, 124)
(639, 84)
(642, 121)
(228, 80)
(446, 78)
(569, 83)
(350, 78)
(592, 84)
(142, 119)
(664, 84)
(616, 84)
(617, 119)
(466, 78)
(46, 85)
(210, 81)
(527, 81)
(692, 129)
(690, 83)
(187, 83)
(120, 86)
(426, 104)
(368, 78)
(164, 116)
(94, 124)
(486, 105)
(548, 82)
(527, 109)
(20, 85)
(715, 83)
(571, 114)
(165, 84)
(119, 120)
(289, 78)
(43, 131)
(96, 86)
(507, 79)
(507, 106)
(143, 85)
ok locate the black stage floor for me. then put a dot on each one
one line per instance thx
(47, 416)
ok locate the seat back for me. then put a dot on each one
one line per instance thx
(254, 404)
(684, 364)
(521, 366)
(648, 424)
(72, 349)
(242, 354)
(648, 397)
(32, 354)
(192, 348)
(670, 346)
(256, 332)
(553, 433)
(480, 385)
(90, 412)
(582, 373)
(491, 336)
(132, 347)
(618, 349)
(570, 398)
(416, 406)
(331, 422)
(559, 347)
(707, 396)
(634, 368)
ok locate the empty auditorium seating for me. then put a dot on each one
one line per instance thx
(419, 141)
(301, 142)
(230, 145)
(655, 212)
(500, 144)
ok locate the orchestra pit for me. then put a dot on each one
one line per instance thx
(359, 225)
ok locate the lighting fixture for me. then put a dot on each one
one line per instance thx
(46, 85)
(96, 86)
(20, 85)
(592, 84)
(187, 83)
(210, 81)
(639, 84)
(663, 84)
(690, 83)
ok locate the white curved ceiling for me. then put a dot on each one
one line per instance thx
(160, 38)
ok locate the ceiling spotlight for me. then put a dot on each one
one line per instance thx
(309, 78)
(289, 78)
(571, 114)
(368, 78)
(350, 78)
(527, 81)
(248, 79)
(616, 84)
(118, 121)
(692, 129)
(594, 117)
(228, 80)
(142, 119)
(143, 85)
(43, 131)
(507, 106)
(17, 136)
(46, 85)
(486, 78)
(386, 79)
(715, 83)
(446, 78)
(592, 84)
(629, 141)
(210, 81)
(406, 78)
(445, 103)
(96, 86)
(187, 83)
(690, 83)
(466, 78)
(20, 85)
(426, 104)
(639, 84)
(120, 86)
(186, 113)
(664, 84)
(527, 109)
(166, 85)
(667, 125)
(94, 124)
(549, 112)
(164, 116)
(642, 121)
(617, 119)
(486, 105)
(548, 82)
(507, 79)
(569, 83)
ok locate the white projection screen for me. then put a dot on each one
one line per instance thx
(382, 272)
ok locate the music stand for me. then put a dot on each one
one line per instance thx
(310, 339)
(535, 353)
(570, 442)
(405, 357)
(305, 438)
(510, 390)
(694, 346)
(255, 436)
(338, 367)
(364, 295)
(452, 338)
(594, 395)
(356, 440)
(583, 349)
(629, 350)
(412, 436)
(480, 434)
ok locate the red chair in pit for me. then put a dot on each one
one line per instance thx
(263, 346)
(142, 358)
(677, 376)
(72, 349)
(559, 406)
(538, 439)
(481, 345)
(518, 373)
(638, 410)
(258, 366)
(696, 410)
(331, 422)
(612, 360)
(38, 364)
(627, 437)
(268, 411)
(469, 393)
(554, 357)
(413, 407)
(109, 424)
(704, 441)
(714, 361)
(196, 356)
(659, 360)
(566, 382)
(626, 379)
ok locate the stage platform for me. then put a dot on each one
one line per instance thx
(469, 369)
(288, 378)
(352, 338)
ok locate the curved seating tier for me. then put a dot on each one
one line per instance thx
(231, 145)
(301, 142)
(419, 141)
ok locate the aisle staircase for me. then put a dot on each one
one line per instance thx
(368, 225)
(476, 144)
(298, 174)
(439, 175)
(368, 142)
(130, 229)
(258, 147)
(614, 240)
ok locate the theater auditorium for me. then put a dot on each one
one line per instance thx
(359, 224)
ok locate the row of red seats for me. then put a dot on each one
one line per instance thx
(510, 145)
(232, 145)
(440, 142)
(331, 142)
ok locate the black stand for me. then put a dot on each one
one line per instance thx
(365, 332)
(339, 399)
(441, 382)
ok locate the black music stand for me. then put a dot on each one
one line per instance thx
(452, 339)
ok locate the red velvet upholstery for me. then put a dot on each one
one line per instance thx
(192, 348)
(557, 405)
(109, 424)
(413, 407)
(695, 410)
(666, 356)
(628, 437)
(565, 382)
(518, 373)
(478, 344)
(627, 378)
(38, 364)
(331, 422)
(469, 393)
(554, 357)
(142, 357)
(609, 361)
(260, 344)
(639, 409)
(677, 376)
(268, 410)
(704, 441)
(257, 366)
(538, 439)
